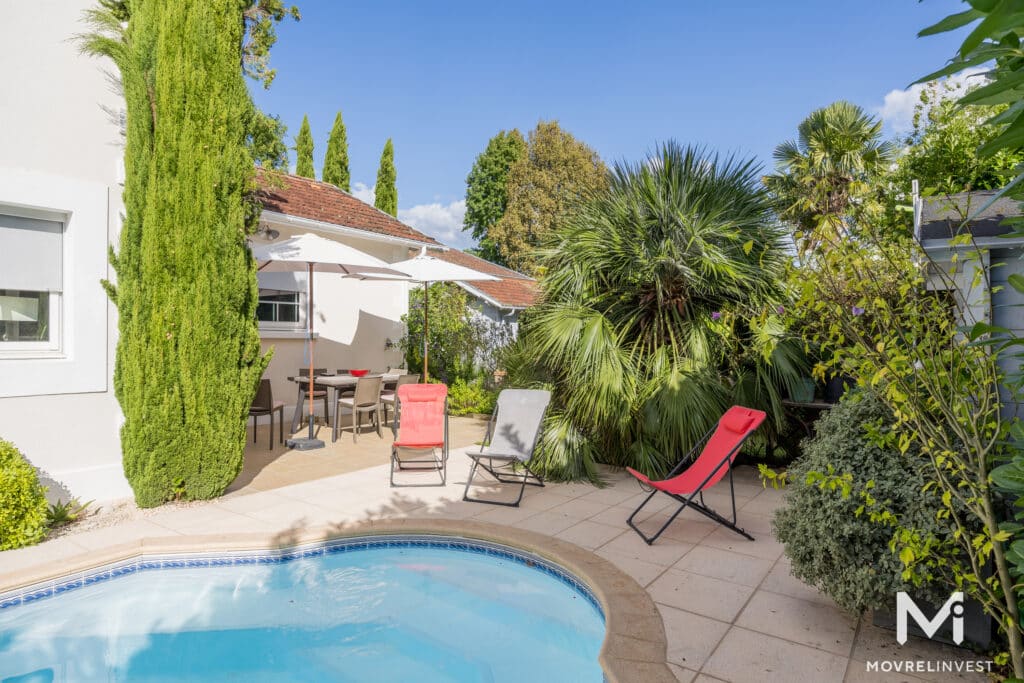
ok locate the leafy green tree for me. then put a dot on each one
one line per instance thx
(487, 189)
(453, 336)
(188, 356)
(940, 152)
(821, 174)
(266, 140)
(385, 191)
(545, 185)
(658, 311)
(304, 151)
(336, 158)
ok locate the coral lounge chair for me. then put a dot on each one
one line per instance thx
(694, 475)
(421, 430)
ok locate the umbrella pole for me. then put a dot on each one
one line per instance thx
(426, 329)
(312, 344)
(311, 441)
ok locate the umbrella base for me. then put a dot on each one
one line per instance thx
(304, 444)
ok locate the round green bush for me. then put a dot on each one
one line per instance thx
(22, 500)
(844, 554)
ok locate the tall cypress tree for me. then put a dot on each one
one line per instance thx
(336, 157)
(386, 192)
(188, 356)
(304, 151)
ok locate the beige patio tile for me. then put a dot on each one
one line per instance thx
(809, 623)
(580, 508)
(125, 532)
(589, 535)
(642, 572)
(704, 595)
(875, 644)
(547, 523)
(764, 546)
(540, 501)
(502, 515)
(613, 516)
(749, 656)
(857, 672)
(724, 565)
(665, 552)
(49, 552)
(204, 518)
(780, 580)
(682, 675)
(658, 502)
(704, 678)
(691, 637)
(610, 496)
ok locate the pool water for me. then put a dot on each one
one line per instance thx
(407, 613)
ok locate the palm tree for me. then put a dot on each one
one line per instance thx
(658, 310)
(825, 170)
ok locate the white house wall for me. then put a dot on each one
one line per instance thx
(61, 152)
(353, 319)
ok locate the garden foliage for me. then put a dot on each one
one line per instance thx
(386, 191)
(661, 306)
(304, 151)
(336, 157)
(22, 500)
(487, 190)
(831, 540)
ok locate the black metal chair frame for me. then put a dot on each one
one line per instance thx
(256, 411)
(434, 463)
(523, 480)
(691, 500)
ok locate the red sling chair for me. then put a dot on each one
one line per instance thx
(697, 473)
(421, 424)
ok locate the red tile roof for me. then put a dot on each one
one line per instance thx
(306, 198)
(513, 290)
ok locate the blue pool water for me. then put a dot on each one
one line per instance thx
(411, 613)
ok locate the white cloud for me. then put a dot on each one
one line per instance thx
(363, 193)
(441, 221)
(897, 110)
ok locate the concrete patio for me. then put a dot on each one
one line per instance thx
(730, 609)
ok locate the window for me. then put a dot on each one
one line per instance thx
(31, 283)
(278, 309)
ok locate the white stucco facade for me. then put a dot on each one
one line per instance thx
(60, 158)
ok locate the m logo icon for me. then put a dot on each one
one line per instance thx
(954, 607)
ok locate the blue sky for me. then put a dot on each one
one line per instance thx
(442, 78)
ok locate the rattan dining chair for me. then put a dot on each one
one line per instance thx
(264, 404)
(365, 400)
(387, 398)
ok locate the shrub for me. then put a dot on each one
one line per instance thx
(470, 397)
(831, 546)
(22, 500)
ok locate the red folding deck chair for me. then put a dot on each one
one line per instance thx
(694, 475)
(420, 425)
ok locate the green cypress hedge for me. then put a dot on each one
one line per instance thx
(188, 358)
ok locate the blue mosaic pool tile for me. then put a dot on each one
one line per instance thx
(342, 545)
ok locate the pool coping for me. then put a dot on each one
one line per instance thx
(634, 647)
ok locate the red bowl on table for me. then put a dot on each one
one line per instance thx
(359, 373)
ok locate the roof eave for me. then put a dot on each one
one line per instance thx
(278, 219)
(489, 299)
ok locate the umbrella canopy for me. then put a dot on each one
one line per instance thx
(311, 253)
(326, 256)
(427, 269)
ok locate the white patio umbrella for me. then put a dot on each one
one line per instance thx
(427, 269)
(309, 253)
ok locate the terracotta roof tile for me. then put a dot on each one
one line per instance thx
(512, 290)
(306, 198)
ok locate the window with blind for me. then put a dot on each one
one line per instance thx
(31, 283)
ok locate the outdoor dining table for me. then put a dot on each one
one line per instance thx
(334, 383)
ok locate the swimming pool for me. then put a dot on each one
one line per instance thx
(366, 609)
